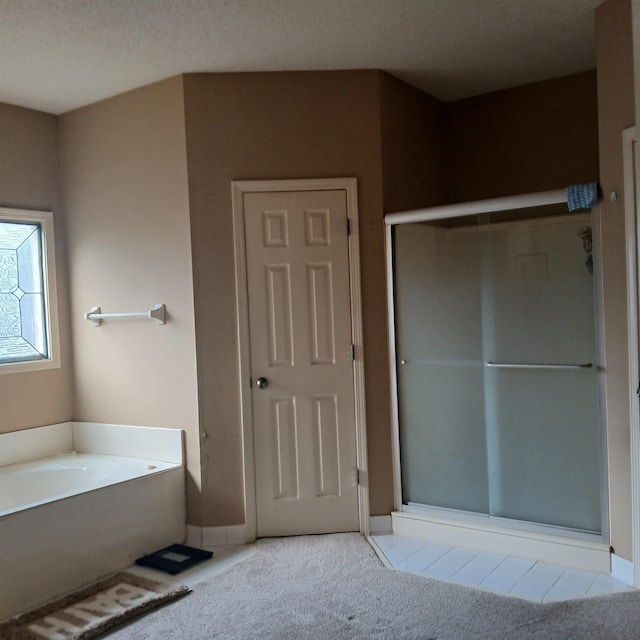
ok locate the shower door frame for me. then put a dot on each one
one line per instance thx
(631, 166)
(488, 206)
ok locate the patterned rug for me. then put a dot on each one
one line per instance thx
(92, 610)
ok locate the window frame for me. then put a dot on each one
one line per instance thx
(45, 220)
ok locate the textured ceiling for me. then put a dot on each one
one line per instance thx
(61, 54)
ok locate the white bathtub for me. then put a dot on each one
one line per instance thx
(30, 484)
(72, 518)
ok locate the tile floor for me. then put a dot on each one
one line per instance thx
(494, 572)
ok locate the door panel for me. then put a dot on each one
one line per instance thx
(320, 294)
(327, 447)
(300, 340)
(279, 335)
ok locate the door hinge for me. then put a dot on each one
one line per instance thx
(353, 352)
(638, 391)
(357, 476)
(348, 226)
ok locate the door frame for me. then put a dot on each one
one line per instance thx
(632, 233)
(350, 187)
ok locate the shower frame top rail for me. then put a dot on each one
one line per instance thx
(492, 205)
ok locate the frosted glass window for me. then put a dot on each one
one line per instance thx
(23, 330)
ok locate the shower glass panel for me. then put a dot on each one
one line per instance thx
(440, 370)
(497, 389)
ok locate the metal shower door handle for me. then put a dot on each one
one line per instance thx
(530, 365)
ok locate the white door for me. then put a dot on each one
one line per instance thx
(301, 362)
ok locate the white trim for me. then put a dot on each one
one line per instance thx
(380, 524)
(496, 523)
(45, 220)
(238, 189)
(622, 569)
(357, 339)
(492, 205)
(379, 552)
(633, 243)
(223, 536)
(246, 408)
(576, 553)
(232, 535)
(194, 536)
(393, 372)
(596, 213)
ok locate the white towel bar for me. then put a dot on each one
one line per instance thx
(96, 316)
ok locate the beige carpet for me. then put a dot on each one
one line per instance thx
(335, 588)
(92, 610)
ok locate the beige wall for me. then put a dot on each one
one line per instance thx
(30, 180)
(126, 197)
(522, 140)
(276, 126)
(616, 113)
(413, 130)
(147, 180)
(406, 149)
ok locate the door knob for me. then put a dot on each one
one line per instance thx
(262, 383)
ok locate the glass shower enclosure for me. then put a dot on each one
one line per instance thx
(494, 341)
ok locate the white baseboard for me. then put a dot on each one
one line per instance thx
(378, 551)
(569, 552)
(622, 569)
(380, 524)
(216, 536)
(194, 536)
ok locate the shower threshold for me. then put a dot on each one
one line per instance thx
(556, 545)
